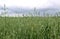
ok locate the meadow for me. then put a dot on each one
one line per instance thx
(29, 27)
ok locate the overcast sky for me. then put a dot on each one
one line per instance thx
(30, 3)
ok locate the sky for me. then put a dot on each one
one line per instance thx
(30, 3)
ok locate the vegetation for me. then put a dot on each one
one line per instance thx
(30, 28)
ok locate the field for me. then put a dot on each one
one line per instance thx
(30, 28)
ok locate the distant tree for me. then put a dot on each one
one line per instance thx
(34, 9)
(38, 13)
(56, 14)
(59, 14)
(47, 14)
(23, 15)
(44, 14)
(35, 12)
(5, 11)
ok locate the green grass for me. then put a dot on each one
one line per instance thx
(29, 28)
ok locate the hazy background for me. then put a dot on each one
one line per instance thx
(31, 3)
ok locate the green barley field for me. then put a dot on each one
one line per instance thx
(29, 27)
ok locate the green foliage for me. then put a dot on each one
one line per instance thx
(29, 28)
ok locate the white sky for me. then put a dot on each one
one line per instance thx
(30, 3)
